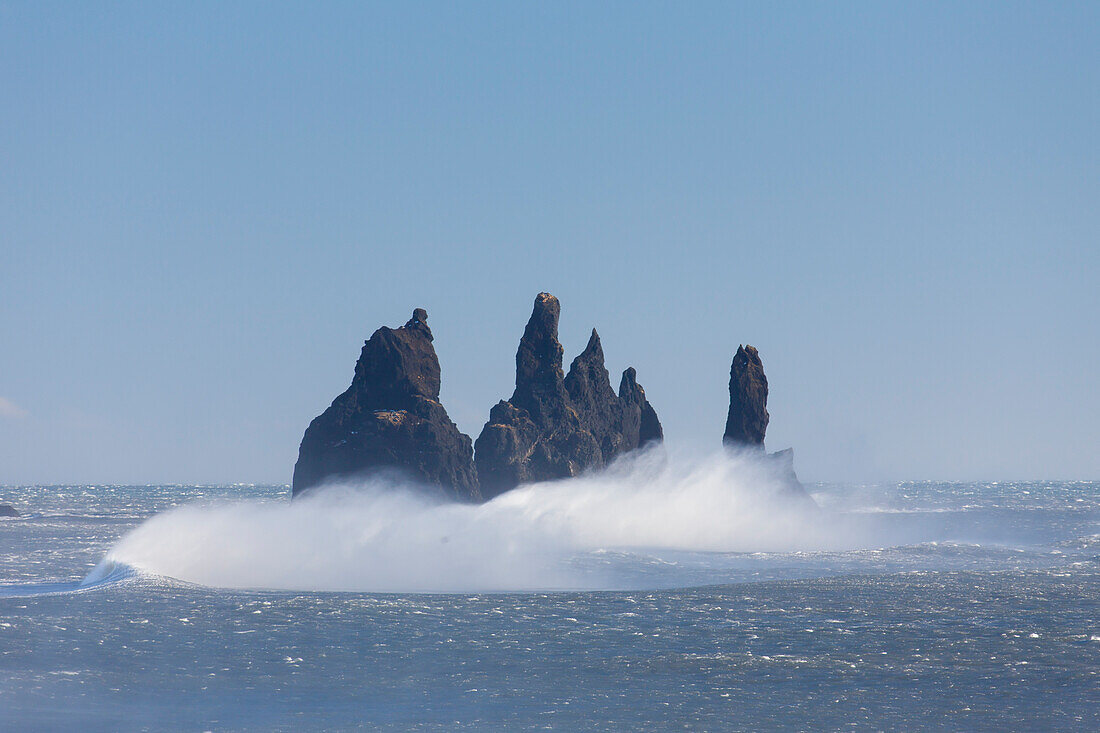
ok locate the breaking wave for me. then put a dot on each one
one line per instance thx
(386, 535)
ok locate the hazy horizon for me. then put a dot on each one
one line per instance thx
(204, 211)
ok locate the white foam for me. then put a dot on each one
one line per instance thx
(387, 536)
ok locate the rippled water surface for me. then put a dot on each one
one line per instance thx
(927, 606)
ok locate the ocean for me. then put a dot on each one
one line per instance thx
(656, 598)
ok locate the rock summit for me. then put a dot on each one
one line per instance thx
(557, 425)
(390, 418)
(554, 425)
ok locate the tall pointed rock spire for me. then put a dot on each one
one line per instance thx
(554, 426)
(747, 420)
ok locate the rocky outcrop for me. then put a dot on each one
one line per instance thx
(640, 425)
(556, 425)
(390, 418)
(7, 510)
(782, 464)
(747, 420)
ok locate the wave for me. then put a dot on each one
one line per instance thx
(387, 535)
(654, 519)
(106, 573)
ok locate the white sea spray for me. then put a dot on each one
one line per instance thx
(386, 535)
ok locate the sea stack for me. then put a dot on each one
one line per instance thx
(390, 418)
(554, 425)
(747, 421)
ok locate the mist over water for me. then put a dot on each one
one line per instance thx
(387, 535)
(654, 519)
(886, 593)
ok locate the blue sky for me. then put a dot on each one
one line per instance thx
(206, 207)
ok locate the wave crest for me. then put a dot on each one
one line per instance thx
(386, 535)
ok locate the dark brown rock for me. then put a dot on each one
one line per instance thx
(748, 418)
(390, 418)
(637, 411)
(555, 426)
(596, 404)
(747, 421)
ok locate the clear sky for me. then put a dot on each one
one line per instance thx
(206, 207)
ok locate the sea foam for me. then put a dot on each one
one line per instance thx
(384, 534)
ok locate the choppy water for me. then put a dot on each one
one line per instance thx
(919, 606)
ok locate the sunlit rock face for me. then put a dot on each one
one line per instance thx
(556, 425)
(390, 418)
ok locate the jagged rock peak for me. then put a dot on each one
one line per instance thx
(593, 350)
(419, 321)
(540, 385)
(397, 364)
(589, 384)
(556, 426)
(634, 402)
(594, 402)
(747, 421)
(628, 385)
(390, 418)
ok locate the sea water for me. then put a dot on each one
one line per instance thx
(656, 598)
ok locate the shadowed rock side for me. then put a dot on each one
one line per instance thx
(7, 510)
(783, 462)
(556, 425)
(390, 418)
(640, 424)
(747, 420)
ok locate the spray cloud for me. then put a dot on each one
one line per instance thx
(387, 535)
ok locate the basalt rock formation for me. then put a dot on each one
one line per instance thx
(556, 425)
(747, 420)
(390, 418)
